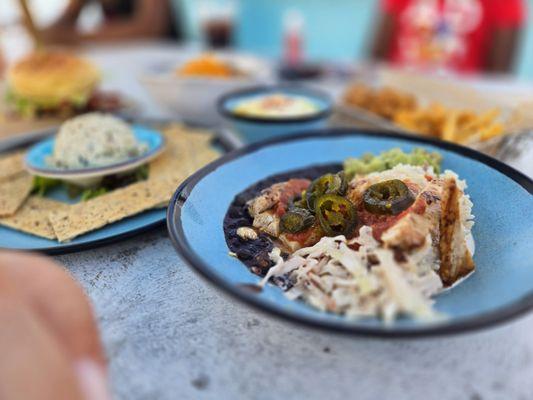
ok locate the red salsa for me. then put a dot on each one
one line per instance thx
(293, 188)
(380, 223)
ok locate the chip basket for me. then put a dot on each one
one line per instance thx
(516, 115)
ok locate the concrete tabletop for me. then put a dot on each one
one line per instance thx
(171, 335)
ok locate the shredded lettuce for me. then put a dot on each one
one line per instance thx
(42, 185)
(20, 105)
(88, 194)
(28, 108)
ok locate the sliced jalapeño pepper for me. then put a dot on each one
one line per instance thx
(296, 220)
(336, 215)
(326, 184)
(388, 197)
(299, 202)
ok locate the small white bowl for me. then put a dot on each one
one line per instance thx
(195, 98)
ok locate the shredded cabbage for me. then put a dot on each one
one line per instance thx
(333, 277)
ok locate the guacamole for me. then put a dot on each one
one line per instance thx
(388, 159)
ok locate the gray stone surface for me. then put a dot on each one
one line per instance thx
(170, 335)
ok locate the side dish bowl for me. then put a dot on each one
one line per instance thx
(500, 289)
(254, 128)
(194, 98)
(37, 155)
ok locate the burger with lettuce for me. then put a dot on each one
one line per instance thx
(55, 83)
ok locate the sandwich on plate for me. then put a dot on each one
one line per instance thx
(53, 83)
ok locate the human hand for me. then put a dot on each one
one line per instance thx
(49, 342)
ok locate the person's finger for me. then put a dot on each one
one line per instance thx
(33, 365)
(57, 298)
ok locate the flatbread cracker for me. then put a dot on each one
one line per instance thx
(11, 165)
(13, 192)
(32, 217)
(87, 216)
(187, 151)
(174, 159)
(205, 157)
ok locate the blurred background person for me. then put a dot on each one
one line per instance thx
(49, 340)
(337, 34)
(457, 35)
(122, 20)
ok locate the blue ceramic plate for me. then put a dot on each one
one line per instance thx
(36, 158)
(12, 239)
(15, 240)
(501, 288)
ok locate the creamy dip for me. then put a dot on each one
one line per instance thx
(276, 105)
(94, 140)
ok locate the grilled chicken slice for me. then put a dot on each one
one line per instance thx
(288, 246)
(411, 231)
(267, 222)
(455, 258)
(408, 233)
(268, 198)
(278, 194)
